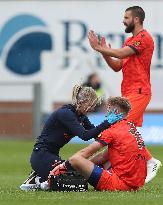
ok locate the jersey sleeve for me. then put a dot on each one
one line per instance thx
(86, 123)
(70, 121)
(138, 44)
(105, 138)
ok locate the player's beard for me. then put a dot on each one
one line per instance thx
(130, 27)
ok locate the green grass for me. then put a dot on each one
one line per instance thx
(15, 167)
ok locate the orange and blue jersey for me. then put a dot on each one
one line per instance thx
(136, 68)
(126, 152)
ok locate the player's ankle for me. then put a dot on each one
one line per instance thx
(152, 160)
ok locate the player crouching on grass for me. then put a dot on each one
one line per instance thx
(126, 153)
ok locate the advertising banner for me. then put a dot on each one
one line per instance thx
(46, 41)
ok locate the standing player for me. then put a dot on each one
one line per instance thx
(134, 59)
(126, 152)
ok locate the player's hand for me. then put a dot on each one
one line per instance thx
(94, 40)
(56, 163)
(56, 166)
(59, 169)
(52, 172)
(103, 43)
(113, 116)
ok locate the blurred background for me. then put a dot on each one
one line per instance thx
(44, 52)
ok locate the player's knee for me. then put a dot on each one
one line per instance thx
(74, 160)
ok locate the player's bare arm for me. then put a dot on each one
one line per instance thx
(88, 151)
(100, 158)
(115, 64)
(117, 53)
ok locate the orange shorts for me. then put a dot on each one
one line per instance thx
(109, 181)
(138, 102)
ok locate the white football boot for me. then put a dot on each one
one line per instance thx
(153, 166)
(42, 185)
(30, 184)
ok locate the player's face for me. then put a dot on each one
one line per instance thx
(129, 22)
(112, 107)
(86, 107)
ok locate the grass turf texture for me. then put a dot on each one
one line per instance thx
(14, 168)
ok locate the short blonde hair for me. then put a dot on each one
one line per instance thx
(83, 94)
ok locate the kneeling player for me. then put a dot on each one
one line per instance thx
(126, 153)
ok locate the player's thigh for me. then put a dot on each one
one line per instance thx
(42, 161)
(138, 103)
(82, 165)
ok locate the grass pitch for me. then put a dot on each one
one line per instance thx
(15, 167)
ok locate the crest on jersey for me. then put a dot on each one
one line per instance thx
(136, 43)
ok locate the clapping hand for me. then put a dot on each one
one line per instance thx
(94, 40)
(98, 43)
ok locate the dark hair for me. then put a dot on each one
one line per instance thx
(91, 76)
(121, 102)
(137, 11)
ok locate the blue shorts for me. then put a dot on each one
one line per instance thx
(95, 176)
(42, 161)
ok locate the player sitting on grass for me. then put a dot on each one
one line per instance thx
(64, 124)
(126, 153)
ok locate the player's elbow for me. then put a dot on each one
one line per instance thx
(117, 69)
